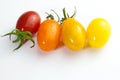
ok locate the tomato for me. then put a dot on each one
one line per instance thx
(27, 25)
(73, 34)
(29, 21)
(48, 35)
(98, 32)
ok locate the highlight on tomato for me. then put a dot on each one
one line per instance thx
(98, 32)
(48, 36)
(26, 26)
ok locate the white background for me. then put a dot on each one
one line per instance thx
(62, 63)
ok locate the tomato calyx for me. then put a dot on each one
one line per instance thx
(22, 37)
(50, 16)
(66, 15)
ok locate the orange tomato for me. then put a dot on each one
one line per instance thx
(48, 35)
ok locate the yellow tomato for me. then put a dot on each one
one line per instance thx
(73, 34)
(98, 32)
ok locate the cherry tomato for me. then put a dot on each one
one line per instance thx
(73, 34)
(29, 21)
(27, 25)
(48, 35)
(98, 32)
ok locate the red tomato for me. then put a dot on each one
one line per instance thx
(27, 25)
(29, 21)
(48, 35)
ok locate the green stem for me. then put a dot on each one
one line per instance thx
(64, 13)
(56, 15)
(50, 16)
(75, 11)
(21, 36)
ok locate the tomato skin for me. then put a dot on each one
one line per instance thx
(73, 34)
(98, 32)
(48, 35)
(29, 21)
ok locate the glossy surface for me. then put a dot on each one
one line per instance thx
(29, 21)
(48, 35)
(73, 34)
(98, 32)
